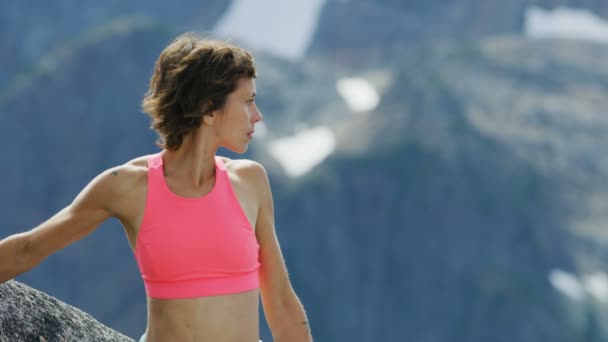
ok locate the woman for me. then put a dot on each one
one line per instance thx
(201, 226)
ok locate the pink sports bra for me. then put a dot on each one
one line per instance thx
(195, 247)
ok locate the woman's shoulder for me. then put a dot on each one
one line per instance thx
(242, 166)
(117, 185)
(125, 177)
(139, 163)
(134, 168)
(246, 169)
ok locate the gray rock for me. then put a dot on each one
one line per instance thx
(27, 314)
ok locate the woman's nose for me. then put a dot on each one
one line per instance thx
(259, 115)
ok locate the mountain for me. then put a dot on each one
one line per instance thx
(466, 202)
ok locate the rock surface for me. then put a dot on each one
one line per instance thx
(27, 314)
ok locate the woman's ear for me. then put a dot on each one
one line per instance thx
(209, 118)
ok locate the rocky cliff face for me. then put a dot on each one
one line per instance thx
(28, 315)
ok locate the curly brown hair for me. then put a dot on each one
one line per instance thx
(192, 78)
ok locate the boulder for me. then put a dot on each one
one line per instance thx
(27, 314)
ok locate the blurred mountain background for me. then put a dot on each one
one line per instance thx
(437, 166)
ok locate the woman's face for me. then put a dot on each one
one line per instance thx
(234, 126)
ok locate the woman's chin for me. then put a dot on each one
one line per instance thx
(238, 149)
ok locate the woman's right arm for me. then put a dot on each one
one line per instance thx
(21, 252)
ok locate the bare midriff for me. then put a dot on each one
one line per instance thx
(225, 318)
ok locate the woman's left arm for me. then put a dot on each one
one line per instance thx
(283, 310)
